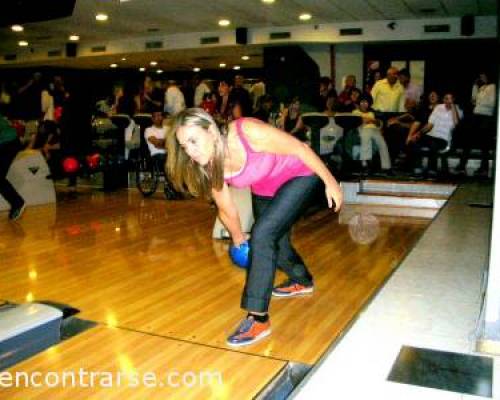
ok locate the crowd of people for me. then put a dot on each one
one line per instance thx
(398, 123)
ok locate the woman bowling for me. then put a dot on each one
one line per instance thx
(282, 173)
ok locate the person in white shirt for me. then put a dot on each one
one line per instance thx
(47, 105)
(481, 125)
(174, 99)
(387, 93)
(436, 135)
(155, 138)
(201, 89)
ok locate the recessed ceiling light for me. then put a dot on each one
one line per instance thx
(17, 28)
(305, 17)
(224, 22)
(268, 1)
(196, 69)
(222, 65)
(23, 43)
(124, 59)
(153, 63)
(101, 17)
(142, 69)
(245, 58)
(159, 71)
(236, 67)
(114, 65)
(74, 38)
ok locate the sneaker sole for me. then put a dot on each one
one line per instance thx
(21, 212)
(303, 292)
(254, 340)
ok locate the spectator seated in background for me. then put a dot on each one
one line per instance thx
(209, 103)
(265, 106)
(291, 120)
(344, 98)
(155, 138)
(351, 104)
(398, 127)
(435, 136)
(370, 131)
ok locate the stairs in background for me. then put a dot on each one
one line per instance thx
(394, 193)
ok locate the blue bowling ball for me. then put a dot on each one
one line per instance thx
(240, 254)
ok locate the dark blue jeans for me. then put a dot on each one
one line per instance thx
(270, 243)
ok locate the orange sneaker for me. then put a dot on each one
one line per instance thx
(249, 331)
(291, 289)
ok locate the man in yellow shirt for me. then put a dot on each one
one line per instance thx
(387, 93)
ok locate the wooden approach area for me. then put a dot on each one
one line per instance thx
(165, 295)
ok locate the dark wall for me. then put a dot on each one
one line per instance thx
(290, 72)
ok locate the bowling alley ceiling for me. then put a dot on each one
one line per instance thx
(157, 18)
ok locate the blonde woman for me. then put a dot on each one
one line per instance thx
(282, 173)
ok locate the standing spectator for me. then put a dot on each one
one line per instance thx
(223, 106)
(174, 99)
(5, 100)
(201, 89)
(47, 107)
(481, 122)
(240, 94)
(9, 147)
(257, 90)
(412, 92)
(387, 93)
(148, 97)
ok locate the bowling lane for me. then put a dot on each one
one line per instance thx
(151, 265)
(109, 363)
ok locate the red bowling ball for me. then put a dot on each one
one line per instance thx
(71, 165)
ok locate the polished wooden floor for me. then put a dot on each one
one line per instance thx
(148, 272)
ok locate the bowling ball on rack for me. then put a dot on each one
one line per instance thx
(71, 165)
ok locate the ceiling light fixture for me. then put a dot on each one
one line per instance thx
(196, 69)
(17, 28)
(113, 65)
(305, 17)
(23, 43)
(101, 17)
(159, 71)
(268, 1)
(74, 38)
(245, 58)
(124, 59)
(224, 22)
(153, 63)
(222, 65)
(142, 69)
(236, 67)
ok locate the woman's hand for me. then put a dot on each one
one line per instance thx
(335, 196)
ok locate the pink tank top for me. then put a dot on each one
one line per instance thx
(265, 173)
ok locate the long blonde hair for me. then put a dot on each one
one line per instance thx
(186, 175)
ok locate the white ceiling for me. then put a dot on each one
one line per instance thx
(136, 18)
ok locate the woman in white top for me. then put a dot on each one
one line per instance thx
(481, 126)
